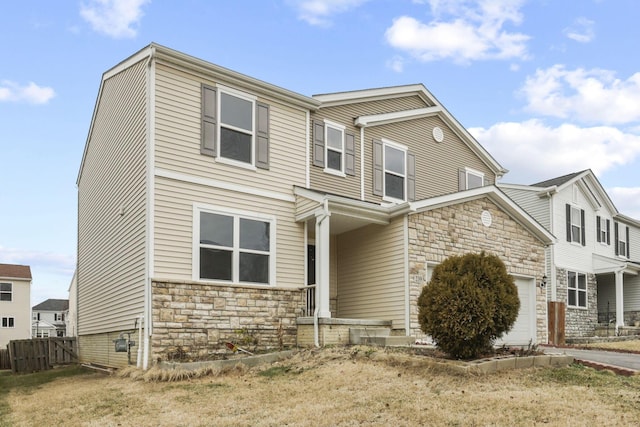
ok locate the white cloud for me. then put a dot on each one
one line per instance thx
(463, 30)
(115, 18)
(396, 64)
(591, 96)
(30, 93)
(533, 151)
(47, 261)
(627, 200)
(319, 12)
(581, 30)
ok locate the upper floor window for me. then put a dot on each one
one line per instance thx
(576, 289)
(234, 247)
(235, 127)
(334, 136)
(470, 178)
(575, 225)
(621, 239)
(8, 322)
(394, 171)
(603, 227)
(58, 317)
(6, 291)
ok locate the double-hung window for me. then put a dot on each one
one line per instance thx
(6, 291)
(234, 247)
(621, 239)
(575, 225)
(603, 226)
(576, 289)
(8, 322)
(334, 135)
(235, 127)
(395, 171)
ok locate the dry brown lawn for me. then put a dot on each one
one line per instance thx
(335, 387)
(632, 345)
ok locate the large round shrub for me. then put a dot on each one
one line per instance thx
(469, 302)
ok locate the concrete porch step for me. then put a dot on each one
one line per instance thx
(360, 335)
(393, 341)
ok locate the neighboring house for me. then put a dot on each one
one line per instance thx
(15, 296)
(214, 208)
(591, 269)
(49, 318)
(72, 317)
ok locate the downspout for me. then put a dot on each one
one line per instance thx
(307, 151)
(316, 332)
(362, 163)
(150, 204)
(139, 359)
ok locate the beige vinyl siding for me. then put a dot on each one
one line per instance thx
(437, 163)
(111, 246)
(100, 349)
(304, 205)
(19, 308)
(177, 145)
(349, 186)
(371, 273)
(173, 246)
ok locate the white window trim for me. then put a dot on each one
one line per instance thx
(577, 291)
(7, 327)
(5, 292)
(236, 213)
(603, 230)
(469, 171)
(579, 225)
(622, 238)
(247, 97)
(329, 124)
(404, 149)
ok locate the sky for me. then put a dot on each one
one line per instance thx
(548, 87)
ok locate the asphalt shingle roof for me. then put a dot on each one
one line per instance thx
(15, 271)
(557, 181)
(52, 305)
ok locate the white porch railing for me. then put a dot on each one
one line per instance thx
(310, 300)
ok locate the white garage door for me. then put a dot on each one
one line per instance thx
(524, 330)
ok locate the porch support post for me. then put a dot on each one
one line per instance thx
(322, 263)
(619, 299)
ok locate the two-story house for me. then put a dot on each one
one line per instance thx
(15, 295)
(214, 207)
(49, 318)
(591, 269)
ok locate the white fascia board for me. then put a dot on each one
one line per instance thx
(496, 196)
(627, 220)
(350, 97)
(518, 186)
(593, 183)
(397, 116)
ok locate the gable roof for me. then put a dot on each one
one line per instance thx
(500, 199)
(13, 271)
(52, 305)
(433, 108)
(559, 181)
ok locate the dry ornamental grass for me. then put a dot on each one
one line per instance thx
(334, 387)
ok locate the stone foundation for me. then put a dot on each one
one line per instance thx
(193, 320)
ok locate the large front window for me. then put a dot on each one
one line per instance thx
(236, 127)
(576, 290)
(474, 179)
(6, 293)
(394, 171)
(235, 248)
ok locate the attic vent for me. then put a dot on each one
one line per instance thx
(438, 134)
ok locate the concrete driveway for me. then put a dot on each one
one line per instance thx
(614, 359)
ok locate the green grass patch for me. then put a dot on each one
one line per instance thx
(26, 383)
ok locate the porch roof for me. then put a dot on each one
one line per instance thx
(603, 264)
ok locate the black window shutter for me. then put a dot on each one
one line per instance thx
(349, 154)
(608, 232)
(262, 136)
(627, 241)
(615, 238)
(318, 143)
(598, 229)
(378, 171)
(584, 242)
(462, 179)
(411, 177)
(208, 127)
(568, 222)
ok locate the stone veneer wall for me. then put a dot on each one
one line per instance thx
(201, 318)
(579, 322)
(455, 230)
